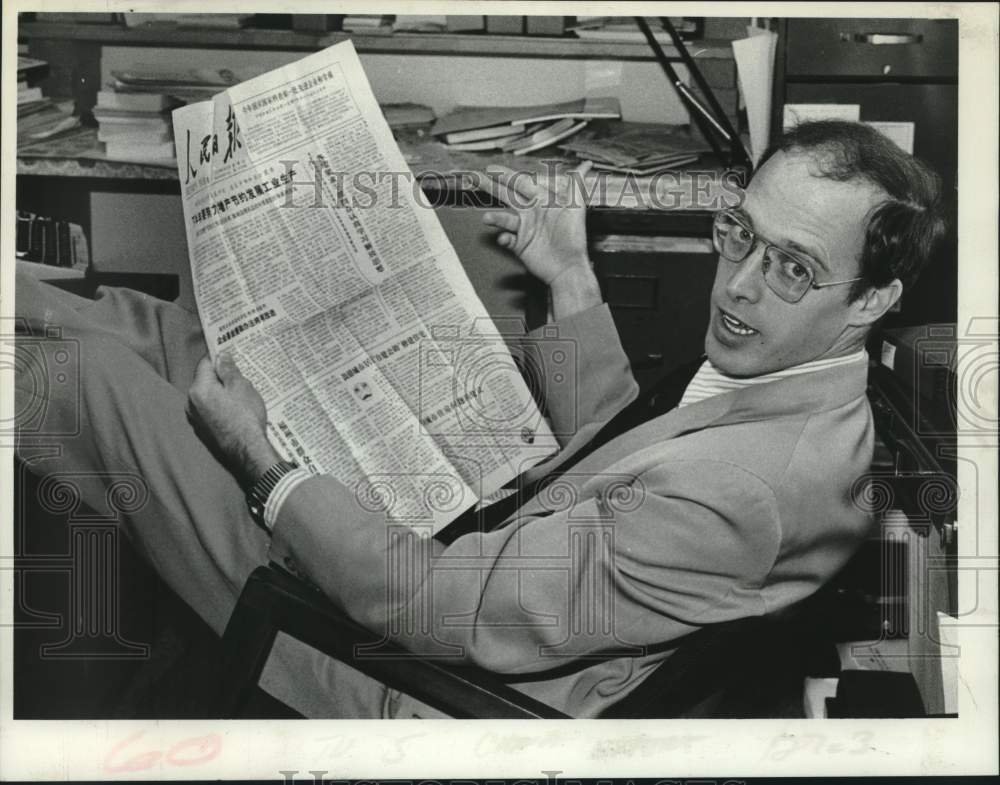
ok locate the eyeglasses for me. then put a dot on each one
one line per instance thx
(787, 276)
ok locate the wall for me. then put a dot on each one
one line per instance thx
(642, 88)
(145, 233)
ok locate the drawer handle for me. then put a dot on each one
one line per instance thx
(883, 39)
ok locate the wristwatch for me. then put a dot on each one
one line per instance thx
(261, 490)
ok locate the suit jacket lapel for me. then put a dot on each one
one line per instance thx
(805, 393)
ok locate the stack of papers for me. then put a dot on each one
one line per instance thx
(520, 129)
(636, 148)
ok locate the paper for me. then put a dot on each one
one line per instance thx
(755, 66)
(901, 133)
(948, 627)
(342, 299)
(801, 113)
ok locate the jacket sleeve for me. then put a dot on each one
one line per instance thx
(583, 378)
(686, 543)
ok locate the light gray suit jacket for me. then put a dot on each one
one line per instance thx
(736, 506)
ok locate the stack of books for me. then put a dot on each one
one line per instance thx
(38, 117)
(193, 20)
(520, 129)
(135, 126)
(638, 149)
(368, 24)
(28, 68)
(133, 111)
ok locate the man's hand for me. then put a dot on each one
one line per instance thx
(547, 230)
(231, 418)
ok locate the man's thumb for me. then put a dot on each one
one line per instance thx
(225, 367)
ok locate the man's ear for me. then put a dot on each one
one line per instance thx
(876, 302)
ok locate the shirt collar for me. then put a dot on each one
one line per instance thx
(709, 381)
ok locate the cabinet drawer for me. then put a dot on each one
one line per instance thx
(660, 305)
(882, 48)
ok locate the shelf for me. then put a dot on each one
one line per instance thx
(117, 35)
(410, 43)
(94, 168)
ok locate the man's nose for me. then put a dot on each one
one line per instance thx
(747, 277)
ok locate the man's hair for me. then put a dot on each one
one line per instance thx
(904, 229)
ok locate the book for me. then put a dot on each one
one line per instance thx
(476, 134)
(546, 25)
(166, 20)
(44, 122)
(132, 135)
(467, 118)
(626, 144)
(128, 151)
(550, 136)
(155, 77)
(584, 109)
(647, 169)
(464, 23)
(536, 132)
(368, 24)
(505, 25)
(28, 95)
(107, 113)
(32, 107)
(30, 66)
(147, 130)
(419, 23)
(496, 143)
(134, 102)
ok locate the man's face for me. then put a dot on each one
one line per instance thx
(819, 220)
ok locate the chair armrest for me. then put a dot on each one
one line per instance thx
(164, 286)
(273, 600)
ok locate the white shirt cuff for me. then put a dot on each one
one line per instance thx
(285, 486)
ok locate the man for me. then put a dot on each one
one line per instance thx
(739, 502)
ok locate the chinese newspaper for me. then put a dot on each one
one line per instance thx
(342, 299)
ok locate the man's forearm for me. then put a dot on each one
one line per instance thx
(574, 290)
(257, 456)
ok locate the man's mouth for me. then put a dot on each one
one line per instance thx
(735, 326)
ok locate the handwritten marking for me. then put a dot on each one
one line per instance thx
(186, 752)
(787, 745)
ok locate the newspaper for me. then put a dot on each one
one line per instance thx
(342, 299)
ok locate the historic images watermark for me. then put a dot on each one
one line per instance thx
(703, 189)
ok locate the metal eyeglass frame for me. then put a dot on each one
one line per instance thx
(758, 240)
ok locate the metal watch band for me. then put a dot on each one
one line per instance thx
(261, 490)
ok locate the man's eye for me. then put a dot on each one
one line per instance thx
(743, 235)
(795, 270)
